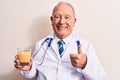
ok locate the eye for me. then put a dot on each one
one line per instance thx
(56, 16)
(67, 17)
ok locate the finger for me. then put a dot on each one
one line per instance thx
(16, 66)
(80, 49)
(16, 57)
(26, 67)
(73, 56)
(16, 61)
(75, 63)
(31, 62)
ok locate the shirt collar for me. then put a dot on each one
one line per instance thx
(66, 40)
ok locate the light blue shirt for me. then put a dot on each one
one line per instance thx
(55, 67)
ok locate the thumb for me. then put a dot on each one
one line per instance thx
(80, 49)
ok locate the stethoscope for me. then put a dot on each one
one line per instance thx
(49, 44)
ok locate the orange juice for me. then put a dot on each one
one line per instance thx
(24, 57)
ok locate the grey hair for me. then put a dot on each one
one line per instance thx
(63, 3)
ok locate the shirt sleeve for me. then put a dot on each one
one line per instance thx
(93, 69)
(31, 73)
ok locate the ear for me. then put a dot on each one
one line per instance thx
(75, 20)
(51, 18)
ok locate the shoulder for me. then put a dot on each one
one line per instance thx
(43, 40)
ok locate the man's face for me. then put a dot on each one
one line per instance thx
(63, 20)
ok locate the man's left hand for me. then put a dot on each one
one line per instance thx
(78, 60)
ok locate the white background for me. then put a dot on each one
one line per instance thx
(23, 22)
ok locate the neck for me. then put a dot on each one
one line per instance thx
(62, 37)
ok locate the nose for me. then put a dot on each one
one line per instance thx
(62, 20)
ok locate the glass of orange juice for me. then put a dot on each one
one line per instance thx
(24, 56)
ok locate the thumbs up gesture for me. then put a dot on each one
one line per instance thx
(78, 60)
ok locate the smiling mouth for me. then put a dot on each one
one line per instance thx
(60, 27)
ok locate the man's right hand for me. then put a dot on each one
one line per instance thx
(17, 65)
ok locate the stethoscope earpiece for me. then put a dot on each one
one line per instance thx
(78, 43)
